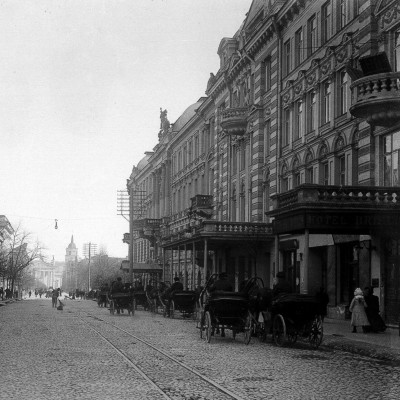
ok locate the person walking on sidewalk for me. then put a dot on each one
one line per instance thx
(357, 308)
(376, 322)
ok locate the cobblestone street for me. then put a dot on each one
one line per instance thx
(83, 352)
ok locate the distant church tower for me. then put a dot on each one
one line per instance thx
(71, 261)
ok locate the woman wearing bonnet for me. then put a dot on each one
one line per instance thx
(357, 308)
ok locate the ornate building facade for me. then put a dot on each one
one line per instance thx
(289, 163)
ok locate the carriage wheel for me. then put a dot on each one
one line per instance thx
(172, 309)
(316, 332)
(248, 328)
(208, 326)
(279, 330)
(112, 307)
(202, 325)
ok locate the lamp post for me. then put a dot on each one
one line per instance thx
(87, 251)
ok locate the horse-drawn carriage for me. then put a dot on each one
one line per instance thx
(254, 311)
(121, 300)
(184, 302)
(292, 316)
(222, 310)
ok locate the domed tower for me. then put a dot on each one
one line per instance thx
(71, 261)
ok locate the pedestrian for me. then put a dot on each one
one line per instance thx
(323, 300)
(357, 309)
(2, 293)
(176, 287)
(376, 322)
(54, 298)
(8, 293)
(30, 294)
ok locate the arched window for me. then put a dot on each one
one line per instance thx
(296, 173)
(284, 179)
(309, 168)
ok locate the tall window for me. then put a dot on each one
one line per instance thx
(234, 160)
(267, 139)
(311, 35)
(342, 170)
(326, 103)
(325, 173)
(284, 179)
(190, 151)
(309, 169)
(267, 73)
(298, 47)
(243, 156)
(343, 13)
(233, 205)
(212, 127)
(326, 21)
(391, 159)
(185, 153)
(311, 104)
(296, 173)
(286, 127)
(287, 66)
(397, 51)
(298, 120)
(196, 146)
(343, 90)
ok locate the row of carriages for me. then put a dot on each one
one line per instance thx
(252, 312)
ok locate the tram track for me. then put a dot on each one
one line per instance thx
(166, 374)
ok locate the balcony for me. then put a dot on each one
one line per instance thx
(219, 231)
(234, 121)
(127, 238)
(146, 224)
(377, 98)
(336, 209)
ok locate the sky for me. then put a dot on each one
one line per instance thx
(81, 87)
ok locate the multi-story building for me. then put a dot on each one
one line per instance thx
(290, 162)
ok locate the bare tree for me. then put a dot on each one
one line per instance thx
(17, 255)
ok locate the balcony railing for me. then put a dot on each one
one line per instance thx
(218, 228)
(362, 196)
(146, 224)
(234, 121)
(376, 98)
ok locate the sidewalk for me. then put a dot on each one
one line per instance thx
(384, 346)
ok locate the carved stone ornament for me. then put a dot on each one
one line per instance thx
(325, 68)
(286, 97)
(298, 88)
(341, 55)
(391, 15)
(311, 79)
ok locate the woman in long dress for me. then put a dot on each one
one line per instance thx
(357, 308)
